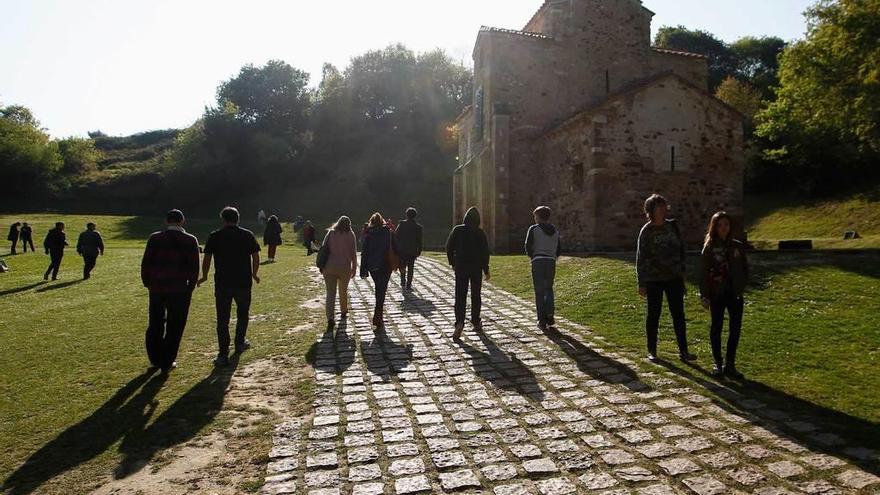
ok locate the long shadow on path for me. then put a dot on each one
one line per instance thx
(24, 288)
(596, 365)
(504, 371)
(384, 356)
(90, 437)
(179, 423)
(817, 428)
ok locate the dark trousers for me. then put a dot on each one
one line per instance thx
(27, 242)
(14, 243)
(54, 264)
(674, 290)
(407, 267)
(89, 262)
(463, 279)
(272, 249)
(734, 307)
(543, 275)
(168, 313)
(380, 280)
(223, 297)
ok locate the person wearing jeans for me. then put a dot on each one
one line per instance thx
(169, 269)
(467, 250)
(660, 268)
(379, 245)
(238, 260)
(341, 267)
(724, 271)
(543, 248)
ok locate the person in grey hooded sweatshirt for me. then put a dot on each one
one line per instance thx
(543, 248)
(467, 250)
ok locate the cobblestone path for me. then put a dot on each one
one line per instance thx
(513, 411)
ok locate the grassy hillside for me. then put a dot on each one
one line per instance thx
(772, 218)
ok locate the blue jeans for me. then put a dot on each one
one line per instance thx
(543, 275)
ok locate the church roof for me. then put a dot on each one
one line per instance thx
(488, 29)
(547, 2)
(677, 52)
(631, 90)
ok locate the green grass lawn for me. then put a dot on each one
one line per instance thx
(811, 342)
(73, 393)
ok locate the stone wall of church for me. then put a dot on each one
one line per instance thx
(669, 138)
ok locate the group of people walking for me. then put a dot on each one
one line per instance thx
(90, 245)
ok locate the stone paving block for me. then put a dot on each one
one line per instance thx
(283, 465)
(656, 450)
(679, 465)
(556, 486)
(857, 479)
(489, 456)
(785, 469)
(442, 444)
(598, 481)
(747, 475)
(499, 472)
(756, 451)
(539, 466)
(513, 489)
(819, 487)
(719, 460)
(325, 491)
(525, 451)
(414, 484)
(321, 479)
(597, 441)
(693, 444)
(705, 485)
(368, 489)
(324, 460)
(402, 449)
(366, 472)
(635, 436)
(822, 461)
(459, 479)
(635, 474)
(448, 459)
(656, 490)
(403, 467)
(615, 457)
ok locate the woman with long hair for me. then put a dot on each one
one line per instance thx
(378, 246)
(660, 266)
(340, 268)
(724, 271)
(272, 236)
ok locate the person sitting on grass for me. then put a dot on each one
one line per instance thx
(169, 270)
(724, 271)
(89, 246)
(238, 260)
(660, 268)
(543, 248)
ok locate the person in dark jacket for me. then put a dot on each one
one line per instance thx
(378, 245)
(89, 246)
(409, 241)
(169, 270)
(543, 248)
(27, 237)
(660, 268)
(467, 250)
(272, 236)
(54, 244)
(13, 236)
(237, 253)
(309, 237)
(724, 271)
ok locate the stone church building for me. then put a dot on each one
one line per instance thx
(579, 112)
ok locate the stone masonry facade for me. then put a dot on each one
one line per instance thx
(578, 111)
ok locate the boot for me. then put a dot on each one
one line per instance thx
(459, 328)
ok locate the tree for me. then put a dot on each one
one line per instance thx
(29, 160)
(740, 95)
(720, 58)
(79, 155)
(825, 124)
(757, 61)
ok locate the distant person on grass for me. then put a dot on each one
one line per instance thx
(26, 236)
(309, 237)
(13, 236)
(543, 248)
(379, 259)
(409, 241)
(272, 236)
(169, 269)
(467, 250)
(340, 265)
(54, 244)
(238, 260)
(724, 271)
(660, 267)
(89, 246)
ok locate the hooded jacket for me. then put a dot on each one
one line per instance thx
(374, 252)
(409, 238)
(467, 247)
(542, 242)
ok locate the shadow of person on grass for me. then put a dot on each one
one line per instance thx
(792, 418)
(24, 288)
(384, 356)
(62, 285)
(182, 421)
(594, 364)
(508, 372)
(89, 438)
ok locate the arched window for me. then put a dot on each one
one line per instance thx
(577, 176)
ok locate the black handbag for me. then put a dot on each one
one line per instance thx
(323, 254)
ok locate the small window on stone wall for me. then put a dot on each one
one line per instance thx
(577, 176)
(607, 83)
(672, 158)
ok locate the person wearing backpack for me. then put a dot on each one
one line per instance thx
(660, 269)
(337, 260)
(724, 271)
(379, 260)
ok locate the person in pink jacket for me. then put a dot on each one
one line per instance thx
(341, 266)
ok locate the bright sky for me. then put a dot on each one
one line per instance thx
(124, 66)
